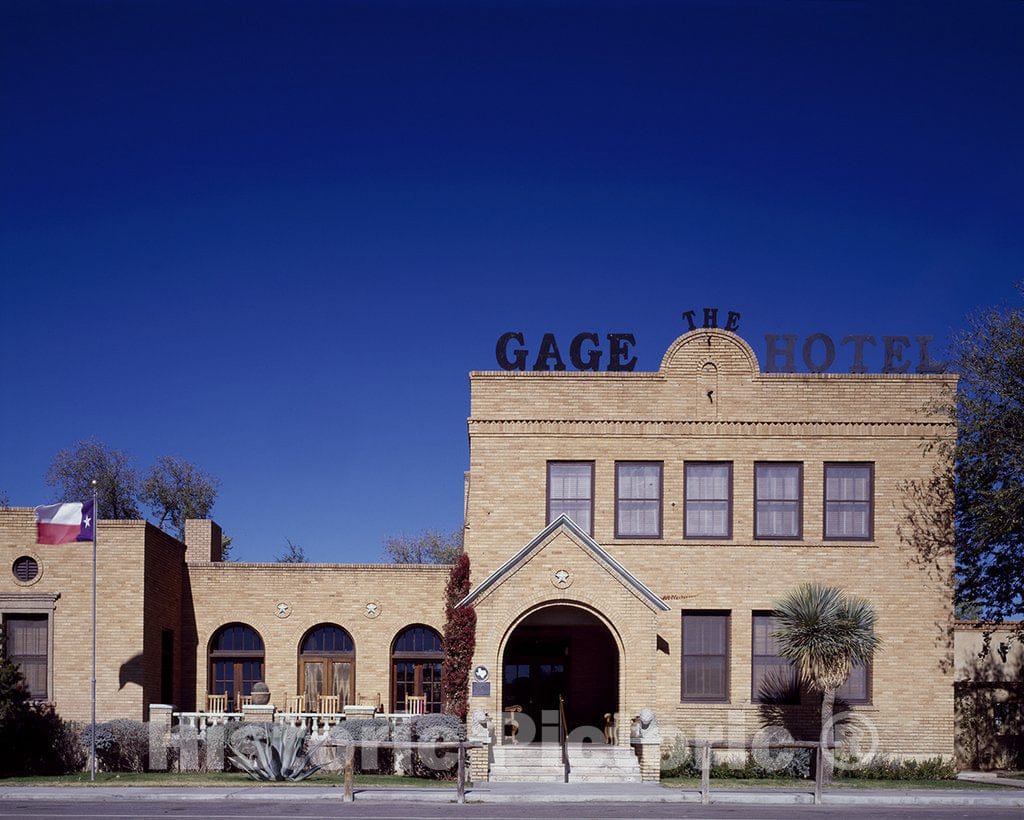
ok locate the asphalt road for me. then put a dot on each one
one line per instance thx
(314, 810)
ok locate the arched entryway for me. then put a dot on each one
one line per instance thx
(561, 650)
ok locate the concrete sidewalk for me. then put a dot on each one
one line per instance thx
(528, 793)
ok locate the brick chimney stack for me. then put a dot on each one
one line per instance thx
(202, 540)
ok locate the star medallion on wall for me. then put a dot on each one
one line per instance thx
(372, 610)
(283, 610)
(562, 579)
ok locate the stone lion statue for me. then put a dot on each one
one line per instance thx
(645, 726)
(478, 724)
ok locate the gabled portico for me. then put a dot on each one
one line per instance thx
(564, 609)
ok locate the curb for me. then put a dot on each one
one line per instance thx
(530, 793)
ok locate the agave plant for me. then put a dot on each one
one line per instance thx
(278, 753)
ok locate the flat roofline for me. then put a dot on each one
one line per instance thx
(658, 374)
(311, 566)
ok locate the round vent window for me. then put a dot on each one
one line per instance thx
(26, 569)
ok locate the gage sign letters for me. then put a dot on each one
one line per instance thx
(817, 351)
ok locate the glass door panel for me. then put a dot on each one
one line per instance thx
(341, 685)
(313, 683)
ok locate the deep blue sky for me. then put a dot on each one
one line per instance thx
(274, 237)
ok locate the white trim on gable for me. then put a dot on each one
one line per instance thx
(589, 544)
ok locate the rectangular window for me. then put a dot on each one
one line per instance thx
(773, 679)
(571, 491)
(708, 494)
(705, 656)
(857, 687)
(638, 499)
(778, 500)
(849, 501)
(26, 638)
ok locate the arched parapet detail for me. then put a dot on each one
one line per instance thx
(693, 351)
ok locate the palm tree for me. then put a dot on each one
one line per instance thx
(824, 633)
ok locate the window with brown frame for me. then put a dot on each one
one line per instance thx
(571, 492)
(707, 499)
(705, 657)
(416, 658)
(638, 487)
(26, 644)
(857, 688)
(327, 665)
(778, 500)
(773, 679)
(236, 661)
(849, 501)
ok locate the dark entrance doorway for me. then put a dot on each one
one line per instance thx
(561, 650)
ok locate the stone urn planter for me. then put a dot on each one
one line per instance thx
(260, 694)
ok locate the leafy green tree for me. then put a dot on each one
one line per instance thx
(429, 547)
(74, 469)
(293, 555)
(989, 464)
(226, 543)
(176, 489)
(825, 632)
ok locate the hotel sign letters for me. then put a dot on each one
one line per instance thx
(817, 352)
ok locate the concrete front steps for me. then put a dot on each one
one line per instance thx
(542, 762)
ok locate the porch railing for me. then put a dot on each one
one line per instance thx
(563, 737)
(318, 724)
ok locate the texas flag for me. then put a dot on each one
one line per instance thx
(62, 523)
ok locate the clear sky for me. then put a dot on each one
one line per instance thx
(274, 238)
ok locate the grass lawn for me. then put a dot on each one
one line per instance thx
(794, 784)
(237, 779)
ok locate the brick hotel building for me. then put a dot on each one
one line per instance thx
(628, 533)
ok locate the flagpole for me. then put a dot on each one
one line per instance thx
(95, 527)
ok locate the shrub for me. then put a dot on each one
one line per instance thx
(686, 763)
(33, 738)
(122, 745)
(885, 768)
(459, 640)
(367, 760)
(428, 728)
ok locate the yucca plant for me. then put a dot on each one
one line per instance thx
(824, 632)
(278, 753)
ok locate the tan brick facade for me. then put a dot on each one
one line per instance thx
(707, 402)
(522, 420)
(145, 588)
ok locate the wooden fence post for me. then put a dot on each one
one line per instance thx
(705, 773)
(460, 787)
(819, 759)
(350, 764)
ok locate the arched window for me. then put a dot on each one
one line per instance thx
(416, 657)
(236, 660)
(327, 665)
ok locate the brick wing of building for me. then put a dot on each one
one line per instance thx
(628, 532)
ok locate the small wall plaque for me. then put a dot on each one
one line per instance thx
(481, 689)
